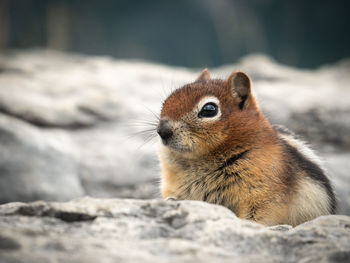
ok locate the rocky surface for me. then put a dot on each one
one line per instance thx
(72, 125)
(122, 230)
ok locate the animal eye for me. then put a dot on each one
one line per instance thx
(209, 110)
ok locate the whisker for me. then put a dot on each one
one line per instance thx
(153, 113)
(144, 123)
(150, 131)
(146, 141)
(144, 132)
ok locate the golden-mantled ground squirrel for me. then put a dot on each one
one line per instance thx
(218, 147)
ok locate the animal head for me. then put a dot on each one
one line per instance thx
(209, 115)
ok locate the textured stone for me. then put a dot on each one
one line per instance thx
(117, 230)
(36, 165)
(72, 125)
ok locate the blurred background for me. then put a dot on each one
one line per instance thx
(193, 33)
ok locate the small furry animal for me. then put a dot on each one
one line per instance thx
(218, 147)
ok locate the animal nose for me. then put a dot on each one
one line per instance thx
(164, 130)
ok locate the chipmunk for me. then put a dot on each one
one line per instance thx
(218, 147)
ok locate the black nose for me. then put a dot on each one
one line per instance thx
(164, 131)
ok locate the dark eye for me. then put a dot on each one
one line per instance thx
(209, 110)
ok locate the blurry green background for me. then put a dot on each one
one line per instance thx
(191, 33)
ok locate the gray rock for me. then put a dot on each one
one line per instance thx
(92, 111)
(339, 170)
(116, 230)
(36, 165)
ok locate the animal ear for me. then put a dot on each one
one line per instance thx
(239, 83)
(205, 75)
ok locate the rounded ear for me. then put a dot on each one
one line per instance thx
(205, 75)
(239, 83)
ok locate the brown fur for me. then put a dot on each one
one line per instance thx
(260, 184)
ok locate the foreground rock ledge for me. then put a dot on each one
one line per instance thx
(122, 230)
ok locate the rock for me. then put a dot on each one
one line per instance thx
(36, 165)
(338, 168)
(89, 116)
(121, 230)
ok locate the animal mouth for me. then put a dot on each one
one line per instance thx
(165, 142)
(173, 145)
(169, 138)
